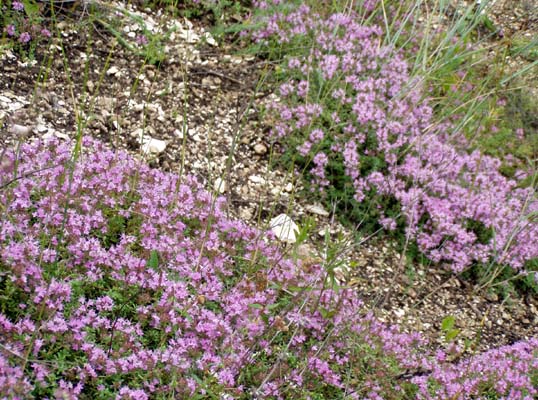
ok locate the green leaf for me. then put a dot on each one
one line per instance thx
(256, 305)
(153, 261)
(302, 234)
(326, 313)
(31, 8)
(488, 24)
(448, 323)
(450, 335)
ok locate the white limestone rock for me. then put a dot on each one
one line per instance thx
(219, 185)
(284, 228)
(153, 146)
(317, 209)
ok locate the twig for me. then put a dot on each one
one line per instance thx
(218, 74)
(26, 175)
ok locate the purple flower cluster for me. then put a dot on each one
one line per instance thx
(509, 370)
(17, 6)
(137, 277)
(18, 26)
(352, 100)
(132, 283)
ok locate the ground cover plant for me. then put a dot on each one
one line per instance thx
(353, 114)
(118, 280)
(128, 282)
(22, 26)
(122, 281)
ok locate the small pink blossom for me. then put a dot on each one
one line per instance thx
(25, 37)
(17, 6)
(10, 30)
(142, 40)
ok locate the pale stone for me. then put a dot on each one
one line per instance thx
(245, 214)
(20, 130)
(9, 54)
(260, 148)
(209, 39)
(107, 103)
(399, 312)
(178, 133)
(322, 232)
(219, 185)
(15, 106)
(189, 24)
(153, 146)
(284, 228)
(257, 179)
(189, 36)
(317, 209)
(138, 107)
(341, 274)
(150, 24)
(137, 133)
(56, 134)
(112, 71)
(42, 128)
(275, 191)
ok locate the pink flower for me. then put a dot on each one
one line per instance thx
(10, 30)
(142, 40)
(25, 37)
(388, 223)
(17, 6)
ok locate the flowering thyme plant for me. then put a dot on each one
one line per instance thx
(21, 25)
(353, 114)
(120, 281)
(509, 371)
(124, 281)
